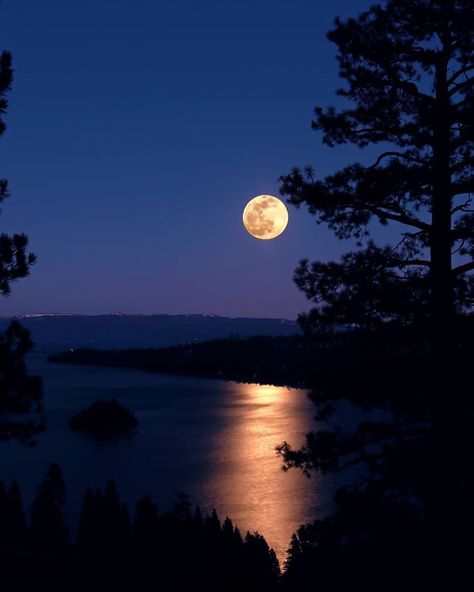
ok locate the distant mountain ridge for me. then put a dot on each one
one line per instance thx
(119, 330)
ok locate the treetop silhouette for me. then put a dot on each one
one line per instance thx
(19, 393)
(15, 261)
(409, 88)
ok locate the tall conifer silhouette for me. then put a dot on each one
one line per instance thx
(19, 393)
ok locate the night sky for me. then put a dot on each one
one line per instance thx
(137, 132)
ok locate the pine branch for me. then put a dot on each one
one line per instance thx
(464, 268)
(401, 218)
(460, 72)
(407, 262)
(464, 207)
(398, 155)
(460, 87)
(462, 187)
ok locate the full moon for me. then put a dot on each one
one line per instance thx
(265, 217)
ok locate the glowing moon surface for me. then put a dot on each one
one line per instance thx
(265, 217)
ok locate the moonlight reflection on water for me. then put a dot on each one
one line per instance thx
(248, 482)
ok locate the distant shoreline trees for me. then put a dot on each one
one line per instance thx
(285, 361)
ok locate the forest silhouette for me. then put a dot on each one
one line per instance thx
(112, 549)
(389, 337)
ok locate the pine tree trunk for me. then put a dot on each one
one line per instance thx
(442, 299)
(442, 471)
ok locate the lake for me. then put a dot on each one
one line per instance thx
(214, 440)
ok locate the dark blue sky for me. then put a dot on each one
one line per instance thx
(137, 132)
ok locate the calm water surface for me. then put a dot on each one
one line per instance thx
(215, 440)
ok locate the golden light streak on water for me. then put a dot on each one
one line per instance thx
(249, 481)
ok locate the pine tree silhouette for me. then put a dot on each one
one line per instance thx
(145, 524)
(402, 364)
(408, 66)
(19, 393)
(17, 527)
(48, 527)
(15, 262)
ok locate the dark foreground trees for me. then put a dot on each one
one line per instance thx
(395, 399)
(408, 68)
(20, 394)
(111, 550)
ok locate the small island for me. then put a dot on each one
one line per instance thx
(104, 418)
